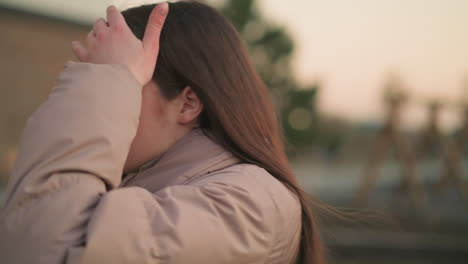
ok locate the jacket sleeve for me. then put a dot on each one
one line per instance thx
(72, 151)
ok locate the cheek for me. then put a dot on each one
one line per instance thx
(153, 110)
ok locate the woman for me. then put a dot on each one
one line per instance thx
(164, 150)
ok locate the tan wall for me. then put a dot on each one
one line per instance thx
(33, 50)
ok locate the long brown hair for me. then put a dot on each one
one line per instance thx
(201, 49)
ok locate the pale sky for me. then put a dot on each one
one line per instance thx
(350, 46)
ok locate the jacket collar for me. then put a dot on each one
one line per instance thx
(192, 156)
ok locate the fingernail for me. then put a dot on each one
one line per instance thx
(162, 8)
(111, 7)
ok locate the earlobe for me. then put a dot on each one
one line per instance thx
(191, 106)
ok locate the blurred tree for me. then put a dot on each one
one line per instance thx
(271, 49)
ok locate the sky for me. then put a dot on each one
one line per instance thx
(350, 47)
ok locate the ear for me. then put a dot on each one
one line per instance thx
(190, 107)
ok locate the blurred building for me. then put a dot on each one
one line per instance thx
(33, 50)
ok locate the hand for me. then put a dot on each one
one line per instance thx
(113, 42)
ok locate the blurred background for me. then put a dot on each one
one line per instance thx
(372, 95)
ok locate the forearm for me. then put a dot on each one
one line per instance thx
(87, 124)
(72, 151)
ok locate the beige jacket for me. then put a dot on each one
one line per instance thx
(66, 202)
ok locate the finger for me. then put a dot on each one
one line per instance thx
(91, 38)
(154, 28)
(114, 17)
(80, 52)
(91, 34)
(100, 26)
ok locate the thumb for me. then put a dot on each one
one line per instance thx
(153, 30)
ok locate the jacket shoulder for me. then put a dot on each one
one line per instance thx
(281, 207)
(257, 181)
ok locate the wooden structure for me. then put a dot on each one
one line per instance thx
(390, 137)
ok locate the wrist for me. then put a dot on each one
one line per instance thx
(134, 76)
